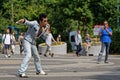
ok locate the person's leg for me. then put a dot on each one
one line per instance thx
(86, 49)
(79, 49)
(21, 49)
(77, 46)
(50, 50)
(6, 50)
(12, 49)
(107, 52)
(101, 52)
(37, 61)
(47, 50)
(87, 46)
(27, 51)
(9, 50)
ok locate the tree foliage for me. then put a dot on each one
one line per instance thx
(63, 15)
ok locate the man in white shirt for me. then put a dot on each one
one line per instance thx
(78, 42)
(35, 28)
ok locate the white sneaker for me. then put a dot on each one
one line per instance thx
(41, 72)
(9, 55)
(6, 56)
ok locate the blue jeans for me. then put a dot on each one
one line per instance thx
(79, 48)
(48, 48)
(30, 50)
(105, 45)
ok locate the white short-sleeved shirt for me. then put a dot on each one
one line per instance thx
(48, 39)
(78, 39)
(6, 38)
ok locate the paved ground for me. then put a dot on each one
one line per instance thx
(62, 67)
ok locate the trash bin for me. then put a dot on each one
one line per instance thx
(72, 40)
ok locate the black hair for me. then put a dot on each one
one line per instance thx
(41, 16)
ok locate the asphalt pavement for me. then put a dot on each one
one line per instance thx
(62, 67)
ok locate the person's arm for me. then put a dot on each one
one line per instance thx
(53, 38)
(25, 22)
(109, 32)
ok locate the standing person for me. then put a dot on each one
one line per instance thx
(6, 41)
(20, 38)
(29, 45)
(78, 42)
(59, 38)
(13, 43)
(48, 41)
(88, 42)
(106, 33)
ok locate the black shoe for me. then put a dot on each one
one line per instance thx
(52, 54)
(12, 52)
(40, 53)
(45, 55)
(23, 76)
(9, 56)
(77, 54)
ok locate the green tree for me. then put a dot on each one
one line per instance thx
(104, 10)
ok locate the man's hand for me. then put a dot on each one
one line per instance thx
(21, 21)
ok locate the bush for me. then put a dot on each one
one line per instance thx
(115, 45)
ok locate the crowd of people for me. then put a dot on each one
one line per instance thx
(41, 28)
(9, 41)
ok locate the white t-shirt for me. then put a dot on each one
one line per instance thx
(48, 39)
(6, 38)
(78, 39)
